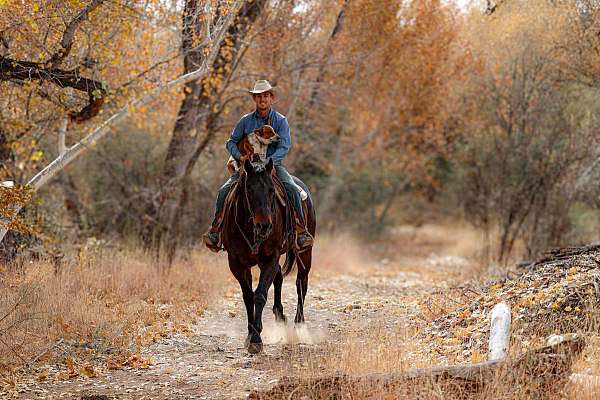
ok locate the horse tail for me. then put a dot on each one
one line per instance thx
(290, 259)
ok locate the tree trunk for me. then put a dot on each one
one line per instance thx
(194, 128)
(327, 56)
(7, 160)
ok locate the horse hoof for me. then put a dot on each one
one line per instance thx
(255, 348)
(280, 318)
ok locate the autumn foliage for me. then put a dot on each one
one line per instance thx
(398, 110)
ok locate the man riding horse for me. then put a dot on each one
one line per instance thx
(263, 97)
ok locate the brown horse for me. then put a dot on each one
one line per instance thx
(257, 230)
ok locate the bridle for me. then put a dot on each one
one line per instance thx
(255, 244)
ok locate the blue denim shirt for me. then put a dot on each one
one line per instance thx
(249, 122)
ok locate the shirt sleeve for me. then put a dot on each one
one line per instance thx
(236, 135)
(284, 144)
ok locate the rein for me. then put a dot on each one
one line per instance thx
(246, 204)
(253, 247)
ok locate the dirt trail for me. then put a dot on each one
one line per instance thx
(211, 363)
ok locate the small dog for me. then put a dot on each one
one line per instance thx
(253, 143)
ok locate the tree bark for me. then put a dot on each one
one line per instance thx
(7, 159)
(326, 60)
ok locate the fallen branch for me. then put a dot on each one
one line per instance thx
(559, 254)
(541, 371)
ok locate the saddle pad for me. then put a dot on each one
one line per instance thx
(303, 194)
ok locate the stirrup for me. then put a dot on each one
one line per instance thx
(309, 241)
(210, 242)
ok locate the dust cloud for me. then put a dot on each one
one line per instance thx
(290, 333)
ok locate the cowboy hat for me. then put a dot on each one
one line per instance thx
(261, 86)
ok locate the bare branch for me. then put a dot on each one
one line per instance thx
(69, 33)
(23, 71)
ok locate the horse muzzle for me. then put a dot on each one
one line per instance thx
(262, 230)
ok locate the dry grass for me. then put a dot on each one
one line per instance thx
(373, 347)
(384, 352)
(101, 302)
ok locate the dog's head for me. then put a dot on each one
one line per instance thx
(266, 134)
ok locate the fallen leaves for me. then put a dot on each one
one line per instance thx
(87, 371)
(137, 361)
(545, 299)
(43, 374)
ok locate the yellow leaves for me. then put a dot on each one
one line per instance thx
(496, 286)
(37, 156)
(35, 8)
(97, 93)
(32, 24)
(71, 372)
(572, 270)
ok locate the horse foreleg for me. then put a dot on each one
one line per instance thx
(268, 270)
(244, 277)
(277, 306)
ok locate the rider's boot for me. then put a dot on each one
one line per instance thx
(303, 237)
(212, 238)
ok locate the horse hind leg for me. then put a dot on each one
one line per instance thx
(277, 306)
(304, 264)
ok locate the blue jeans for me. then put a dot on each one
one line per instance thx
(284, 177)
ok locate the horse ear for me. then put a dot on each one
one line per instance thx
(270, 165)
(248, 166)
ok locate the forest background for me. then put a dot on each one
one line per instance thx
(400, 111)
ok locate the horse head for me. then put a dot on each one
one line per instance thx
(260, 200)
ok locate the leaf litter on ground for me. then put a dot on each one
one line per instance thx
(557, 294)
